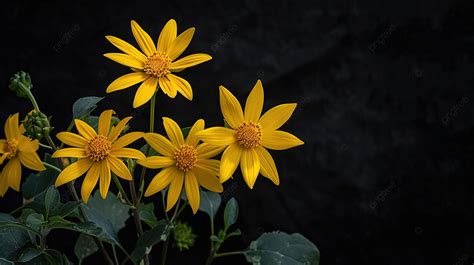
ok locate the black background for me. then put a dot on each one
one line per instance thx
(385, 109)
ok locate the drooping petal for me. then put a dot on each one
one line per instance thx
(275, 117)
(180, 44)
(126, 140)
(119, 168)
(105, 178)
(217, 136)
(192, 191)
(167, 87)
(145, 92)
(127, 153)
(279, 140)
(72, 139)
(90, 181)
(230, 108)
(126, 81)
(197, 127)
(161, 180)
(73, 171)
(268, 168)
(254, 103)
(27, 145)
(250, 166)
(190, 60)
(12, 170)
(181, 85)
(11, 127)
(84, 129)
(31, 161)
(174, 191)
(155, 162)
(104, 122)
(206, 150)
(167, 35)
(126, 47)
(116, 130)
(229, 161)
(125, 59)
(143, 39)
(173, 131)
(160, 144)
(208, 179)
(70, 152)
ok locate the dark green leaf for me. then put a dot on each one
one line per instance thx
(46, 202)
(231, 213)
(85, 246)
(237, 232)
(151, 238)
(88, 228)
(39, 182)
(12, 239)
(282, 248)
(215, 239)
(84, 106)
(29, 254)
(51, 199)
(210, 202)
(147, 214)
(67, 209)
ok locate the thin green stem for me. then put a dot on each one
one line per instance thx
(164, 252)
(48, 165)
(31, 97)
(114, 251)
(152, 113)
(126, 253)
(45, 146)
(121, 190)
(223, 254)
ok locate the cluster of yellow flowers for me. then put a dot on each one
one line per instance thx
(189, 161)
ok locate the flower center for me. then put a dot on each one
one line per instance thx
(249, 135)
(157, 64)
(186, 157)
(11, 148)
(98, 148)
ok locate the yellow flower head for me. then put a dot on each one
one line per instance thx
(154, 65)
(182, 161)
(98, 154)
(19, 150)
(250, 135)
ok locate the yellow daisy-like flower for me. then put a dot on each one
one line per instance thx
(250, 135)
(183, 161)
(19, 150)
(154, 64)
(98, 154)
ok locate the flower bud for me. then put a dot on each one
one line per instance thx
(36, 125)
(183, 236)
(21, 84)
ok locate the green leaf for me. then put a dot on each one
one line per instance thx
(29, 254)
(147, 214)
(84, 106)
(282, 248)
(12, 239)
(216, 239)
(231, 213)
(85, 246)
(51, 200)
(67, 209)
(210, 202)
(237, 232)
(39, 182)
(151, 238)
(88, 228)
(109, 214)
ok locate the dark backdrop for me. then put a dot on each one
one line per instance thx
(385, 109)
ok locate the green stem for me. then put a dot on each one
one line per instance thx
(45, 146)
(126, 253)
(223, 254)
(52, 167)
(136, 215)
(114, 251)
(31, 97)
(121, 190)
(164, 251)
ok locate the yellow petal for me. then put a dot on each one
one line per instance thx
(167, 87)
(31, 161)
(181, 85)
(105, 178)
(90, 181)
(27, 145)
(143, 39)
(161, 180)
(145, 92)
(157, 162)
(116, 130)
(180, 44)
(174, 191)
(267, 165)
(250, 166)
(217, 136)
(230, 108)
(85, 129)
(3, 184)
(127, 153)
(274, 118)
(208, 179)
(73, 171)
(12, 170)
(254, 104)
(72, 139)
(206, 150)
(104, 122)
(3, 157)
(160, 144)
(279, 140)
(229, 161)
(119, 168)
(3, 144)
(126, 140)
(173, 131)
(126, 81)
(190, 60)
(11, 127)
(70, 152)
(167, 35)
(192, 191)
(126, 48)
(212, 165)
(192, 138)
(125, 59)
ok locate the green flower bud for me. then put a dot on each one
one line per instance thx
(21, 84)
(183, 236)
(36, 125)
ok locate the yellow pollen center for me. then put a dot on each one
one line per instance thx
(186, 157)
(249, 135)
(157, 64)
(11, 148)
(98, 148)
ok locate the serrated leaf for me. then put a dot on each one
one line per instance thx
(39, 182)
(84, 106)
(85, 246)
(147, 214)
(282, 248)
(210, 202)
(12, 239)
(231, 213)
(151, 238)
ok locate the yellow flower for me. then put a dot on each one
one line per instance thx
(250, 135)
(183, 161)
(19, 150)
(154, 64)
(98, 154)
